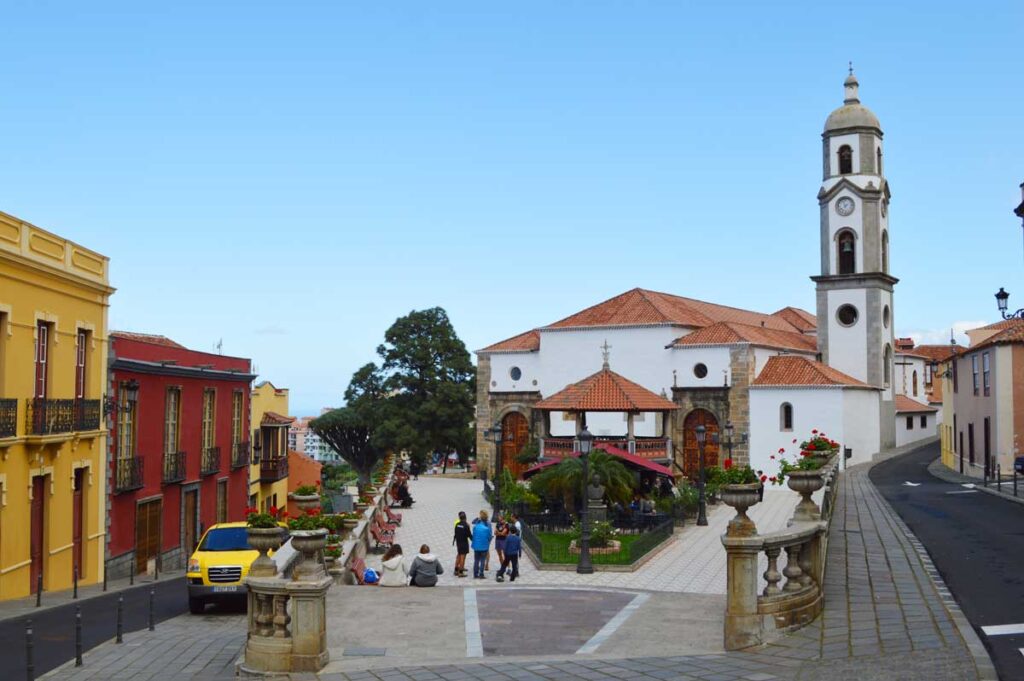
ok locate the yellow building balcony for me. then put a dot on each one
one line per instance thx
(8, 418)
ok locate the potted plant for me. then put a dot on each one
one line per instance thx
(331, 554)
(803, 477)
(349, 520)
(740, 489)
(306, 497)
(818, 445)
(308, 538)
(265, 534)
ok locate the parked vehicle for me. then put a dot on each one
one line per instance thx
(218, 567)
(1018, 465)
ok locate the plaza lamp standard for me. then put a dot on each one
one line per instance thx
(584, 566)
(494, 434)
(1002, 297)
(702, 511)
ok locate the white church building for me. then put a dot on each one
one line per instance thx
(672, 363)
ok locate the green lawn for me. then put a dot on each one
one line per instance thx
(556, 550)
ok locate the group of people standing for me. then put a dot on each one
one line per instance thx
(507, 537)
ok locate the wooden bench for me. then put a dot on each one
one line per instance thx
(393, 518)
(358, 568)
(381, 537)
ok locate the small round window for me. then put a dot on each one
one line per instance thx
(515, 373)
(885, 316)
(700, 370)
(847, 315)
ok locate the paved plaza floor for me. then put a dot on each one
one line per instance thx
(887, 616)
(693, 561)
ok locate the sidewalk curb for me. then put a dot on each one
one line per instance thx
(982, 660)
(940, 471)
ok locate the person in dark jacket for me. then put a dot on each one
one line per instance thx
(513, 547)
(425, 568)
(463, 534)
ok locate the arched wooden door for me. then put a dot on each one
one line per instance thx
(691, 455)
(515, 433)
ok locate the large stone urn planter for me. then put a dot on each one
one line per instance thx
(306, 502)
(806, 483)
(741, 497)
(264, 539)
(309, 543)
(822, 455)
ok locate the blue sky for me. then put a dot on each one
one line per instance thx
(291, 177)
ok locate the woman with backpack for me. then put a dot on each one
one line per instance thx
(463, 535)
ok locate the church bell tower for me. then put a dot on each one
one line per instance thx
(855, 289)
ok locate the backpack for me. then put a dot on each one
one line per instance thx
(370, 576)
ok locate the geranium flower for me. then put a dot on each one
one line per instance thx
(727, 464)
(814, 432)
(273, 510)
(794, 440)
(773, 479)
(782, 450)
(773, 457)
(764, 478)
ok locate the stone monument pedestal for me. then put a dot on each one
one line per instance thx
(597, 513)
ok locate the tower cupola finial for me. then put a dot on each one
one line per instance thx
(850, 86)
(605, 351)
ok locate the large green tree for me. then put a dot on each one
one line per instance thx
(421, 396)
(352, 436)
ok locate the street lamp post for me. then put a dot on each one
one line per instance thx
(1002, 298)
(584, 567)
(702, 511)
(495, 435)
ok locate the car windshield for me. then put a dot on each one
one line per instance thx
(226, 539)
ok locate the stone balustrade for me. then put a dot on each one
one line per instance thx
(793, 596)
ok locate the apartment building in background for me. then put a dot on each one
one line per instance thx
(268, 475)
(54, 297)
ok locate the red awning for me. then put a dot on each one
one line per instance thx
(633, 459)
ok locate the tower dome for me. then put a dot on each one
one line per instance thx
(852, 114)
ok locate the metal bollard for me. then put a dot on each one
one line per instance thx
(999, 478)
(152, 598)
(131, 576)
(120, 618)
(156, 569)
(30, 665)
(39, 589)
(74, 582)
(1015, 481)
(78, 636)
(104, 578)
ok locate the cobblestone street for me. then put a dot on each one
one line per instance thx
(886, 617)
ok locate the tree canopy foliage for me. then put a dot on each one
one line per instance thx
(565, 479)
(347, 432)
(420, 399)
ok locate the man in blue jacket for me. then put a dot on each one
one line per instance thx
(513, 547)
(482, 534)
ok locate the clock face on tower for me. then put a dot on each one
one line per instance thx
(844, 206)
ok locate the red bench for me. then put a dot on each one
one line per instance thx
(381, 537)
(393, 518)
(358, 569)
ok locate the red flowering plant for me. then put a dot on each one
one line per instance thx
(270, 518)
(818, 443)
(735, 475)
(311, 520)
(806, 462)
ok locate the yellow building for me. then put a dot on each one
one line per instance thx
(53, 357)
(268, 474)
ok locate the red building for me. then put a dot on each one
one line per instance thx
(179, 448)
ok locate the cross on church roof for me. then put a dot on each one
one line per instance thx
(851, 68)
(604, 353)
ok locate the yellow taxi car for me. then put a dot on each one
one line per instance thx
(218, 567)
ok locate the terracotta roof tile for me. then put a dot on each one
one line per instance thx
(731, 333)
(605, 391)
(1003, 324)
(793, 370)
(939, 353)
(147, 338)
(524, 342)
(1012, 332)
(801, 319)
(640, 306)
(905, 405)
(271, 418)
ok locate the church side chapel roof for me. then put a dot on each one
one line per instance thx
(801, 319)
(731, 333)
(793, 370)
(524, 342)
(605, 391)
(905, 405)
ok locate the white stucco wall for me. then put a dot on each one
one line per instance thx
(847, 345)
(903, 376)
(861, 427)
(813, 408)
(904, 435)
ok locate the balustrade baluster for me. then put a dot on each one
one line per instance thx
(805, 564)
(792, 570)
(281, 618)
(264, 615)
(772, 574)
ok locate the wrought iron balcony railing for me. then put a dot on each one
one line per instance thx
(210, 463)
(240, 455)
(273, 468)
(174, 467)
(49, 417)
(127, 474)
(8, 417)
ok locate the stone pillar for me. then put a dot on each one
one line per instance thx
(287, 626)
(268, 647)
(630, 437)
(309, 625)
(742, 622)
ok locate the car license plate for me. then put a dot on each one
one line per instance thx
(225, 589)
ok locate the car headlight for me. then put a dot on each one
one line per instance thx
(193, 565)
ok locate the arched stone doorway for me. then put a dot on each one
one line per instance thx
(515, 433)
(691, 455)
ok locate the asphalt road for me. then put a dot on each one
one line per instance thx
(976, 541)
(54, 629)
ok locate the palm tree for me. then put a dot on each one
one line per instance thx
(565, 480)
